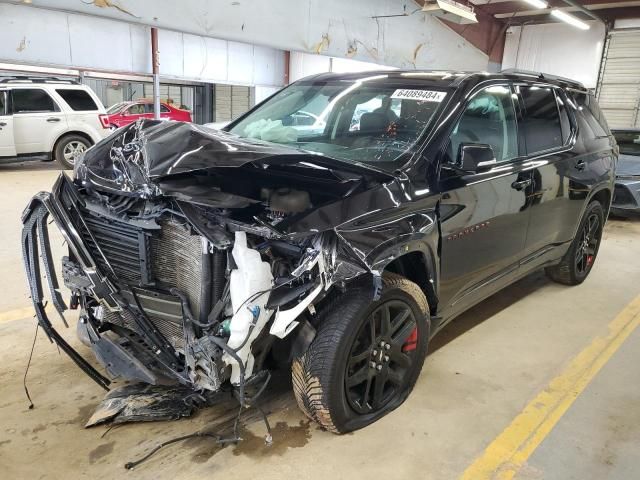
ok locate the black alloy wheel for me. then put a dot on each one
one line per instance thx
(366, 356)
(588, 244)
(578, 261)
(381, 357)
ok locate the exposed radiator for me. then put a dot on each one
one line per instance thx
(176, 260)
(154, 260)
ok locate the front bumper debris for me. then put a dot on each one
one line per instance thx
(35, 245)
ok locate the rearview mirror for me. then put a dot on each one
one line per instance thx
(476, 157)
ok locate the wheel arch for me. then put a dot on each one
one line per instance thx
(418, 267)
(82, 134)
(602, 195)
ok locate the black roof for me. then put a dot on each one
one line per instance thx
(449, 78)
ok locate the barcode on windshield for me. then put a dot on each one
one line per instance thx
(420, 95)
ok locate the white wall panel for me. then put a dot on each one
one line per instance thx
(300, 25)
(240, 64)
(171, 48)
(140, 38)
(31, 38)
(99, 43)
(52, 38)
(557, 49)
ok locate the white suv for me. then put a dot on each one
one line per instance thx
(46, 118)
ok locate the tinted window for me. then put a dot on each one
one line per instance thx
(541, 122)
(592, 115)
(32, 100)
(489, 118)
(565, 124)
(628, 142)
(78, 100)
(3, 103)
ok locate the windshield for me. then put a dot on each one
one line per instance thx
(628, 142)
(356, 121)
(116, 107)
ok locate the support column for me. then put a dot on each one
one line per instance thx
(155, 62)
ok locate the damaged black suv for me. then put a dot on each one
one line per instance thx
(335, 227)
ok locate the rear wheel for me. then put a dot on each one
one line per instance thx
(69, 149)
(366, 356)
(579, 259)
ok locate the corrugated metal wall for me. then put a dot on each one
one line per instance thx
(231, 101)
(619, 84)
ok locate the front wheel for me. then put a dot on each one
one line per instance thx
(366, 356)
(579, 259)
(69, 149)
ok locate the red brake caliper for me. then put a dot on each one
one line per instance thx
(412, 342)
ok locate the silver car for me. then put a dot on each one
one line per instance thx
(626, 198)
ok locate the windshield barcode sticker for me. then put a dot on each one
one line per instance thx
(421, 95)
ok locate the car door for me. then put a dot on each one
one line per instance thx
(7, 145)
(564, 168)
(37, 120)
(484, 216)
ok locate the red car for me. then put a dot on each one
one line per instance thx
(124, 113)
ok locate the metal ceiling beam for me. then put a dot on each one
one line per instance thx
(598, 6)
(586, 11)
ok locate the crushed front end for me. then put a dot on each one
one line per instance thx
(176, 279)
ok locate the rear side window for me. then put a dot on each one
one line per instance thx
(32, 100)
(541, 121)
(565, 124)
(3, 103)
(588, 107)
(78, 100)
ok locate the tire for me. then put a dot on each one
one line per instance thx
(321, 374)
(576, 264)
(69, 148)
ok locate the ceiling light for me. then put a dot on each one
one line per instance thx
(450, 10)
(570, 19)
(537, 3)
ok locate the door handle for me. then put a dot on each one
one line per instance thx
(3, 124)
(53, 119)
(580, 165)
(521, 184)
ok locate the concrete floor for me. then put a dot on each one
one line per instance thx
(482, 370)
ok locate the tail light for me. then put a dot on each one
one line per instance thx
(104, 120)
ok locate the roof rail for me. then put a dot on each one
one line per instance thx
(30, 79)
(542, 76)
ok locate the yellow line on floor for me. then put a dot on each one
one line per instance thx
(17, 314)
(511, 449)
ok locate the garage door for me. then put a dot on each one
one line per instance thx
(619, 85)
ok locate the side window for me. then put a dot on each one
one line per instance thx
(565, 124)
(490, 119)
(78, 100)
(32, 100)
(594, 108)
(136, 109)
(586, 106)
(163, 109)
(541, 122)
(3, 102)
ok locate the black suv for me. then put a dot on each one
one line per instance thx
(336, 227)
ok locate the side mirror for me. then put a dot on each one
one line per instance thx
(476, 157)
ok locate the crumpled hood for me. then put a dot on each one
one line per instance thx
(135, 158)
(628, 165)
